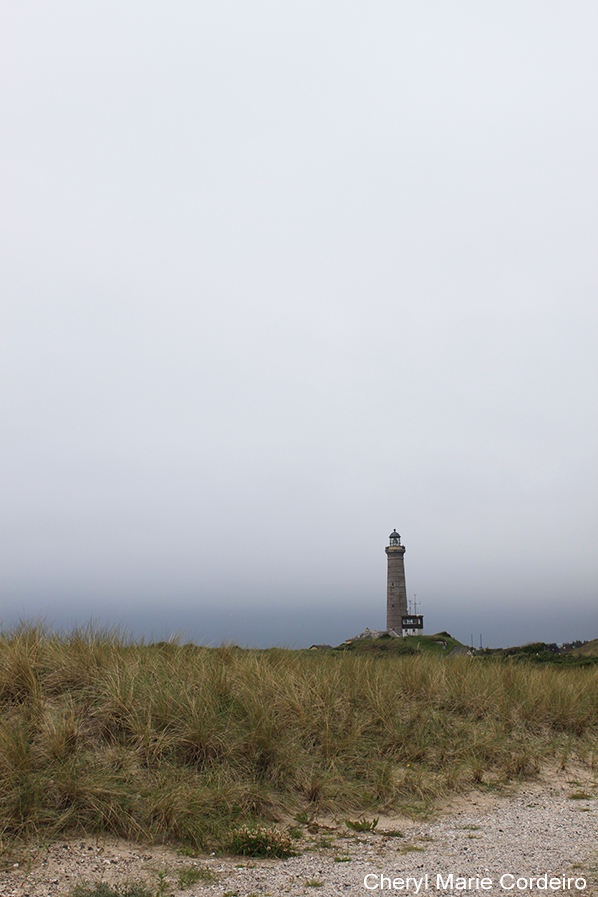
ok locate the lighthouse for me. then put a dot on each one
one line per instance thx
(396, 591)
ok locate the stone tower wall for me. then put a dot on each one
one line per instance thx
(396, 592)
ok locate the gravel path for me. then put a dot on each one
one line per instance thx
(493, 846)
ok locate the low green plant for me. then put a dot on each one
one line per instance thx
(324, 842)
(314, 883)
(103, 889)
(361, 825)
(162, 888)
(344, 859)
(304, 818)
(193, 874)
(259, 841)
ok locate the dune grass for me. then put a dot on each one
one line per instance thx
(176, 742)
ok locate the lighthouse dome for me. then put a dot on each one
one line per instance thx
(394, 538)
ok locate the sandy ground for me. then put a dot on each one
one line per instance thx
(541, 838)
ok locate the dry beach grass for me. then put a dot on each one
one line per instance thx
(175, 743)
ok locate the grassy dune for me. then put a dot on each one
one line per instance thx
(184, 743)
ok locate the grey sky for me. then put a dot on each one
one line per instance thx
(279, 277)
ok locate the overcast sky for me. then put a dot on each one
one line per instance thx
(279, 277)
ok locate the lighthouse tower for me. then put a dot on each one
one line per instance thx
(396, 592)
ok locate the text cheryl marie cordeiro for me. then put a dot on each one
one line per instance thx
(377, 881)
